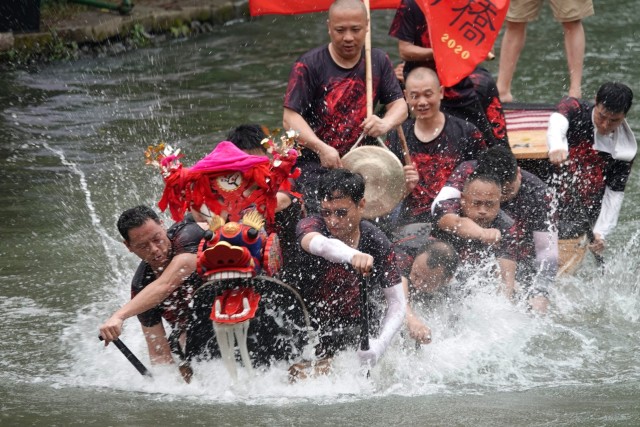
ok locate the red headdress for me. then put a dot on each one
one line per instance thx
(227, 181)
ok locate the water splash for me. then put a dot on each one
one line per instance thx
(105, 238)
(482, 343)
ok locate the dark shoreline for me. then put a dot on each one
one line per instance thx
(95, 32)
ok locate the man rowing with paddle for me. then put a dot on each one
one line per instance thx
(479, 207)
(163, 283)
(339, 249)
(527, 200)
(596, 147)
(432, 271)
(326, 98)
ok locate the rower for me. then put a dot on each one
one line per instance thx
(527, 200)
(595, 147)
(164, 282)
(432, 271)
(479, 208)
(437, 143)
(339, 248)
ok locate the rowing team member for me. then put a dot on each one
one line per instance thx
(168, 261)
(596, 141)
(344, 247)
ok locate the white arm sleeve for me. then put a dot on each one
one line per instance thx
(332, 250)
(608, 218)
(557, 132)
(445, 194)
(393, 320)
(546, 244)
(394, 317)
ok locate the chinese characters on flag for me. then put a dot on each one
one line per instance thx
(462, 33)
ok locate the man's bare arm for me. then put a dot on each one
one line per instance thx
(411, 52)
(329, 156)
(467, 229)
(417, 329)
(158, 345)
(179, 269)
(396, 113)
(508, 276)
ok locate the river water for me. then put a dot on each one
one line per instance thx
(72, 137)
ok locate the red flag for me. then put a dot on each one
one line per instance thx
(462, 33)
(294, 7)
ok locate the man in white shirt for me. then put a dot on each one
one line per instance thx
(596, 148)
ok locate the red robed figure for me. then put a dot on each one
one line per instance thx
(462, 32)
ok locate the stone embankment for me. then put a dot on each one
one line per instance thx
(91, 30)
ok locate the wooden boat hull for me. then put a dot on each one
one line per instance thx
(571, 252)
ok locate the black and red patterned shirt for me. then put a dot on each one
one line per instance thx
(531, 208)
(332, 289)
(185, 236)
(589, 170)
(487, 92)
(435, 160)
(332, 99)
(410, 25)
(474, 252)
(476, 91)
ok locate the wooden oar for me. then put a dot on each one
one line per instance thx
(310, 369)
(367, 58)
(131, 357)
(405, 147)
(575, 196)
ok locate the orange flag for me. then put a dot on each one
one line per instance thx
(462, 33)
(294, 7)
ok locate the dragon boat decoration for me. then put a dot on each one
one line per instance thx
(242, 302)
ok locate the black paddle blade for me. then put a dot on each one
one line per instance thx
(364, 314)
(131, 357)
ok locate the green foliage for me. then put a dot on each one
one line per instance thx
(139, 36)
(180, 30)
(58, 49)
(59, 7)
(46, 49)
